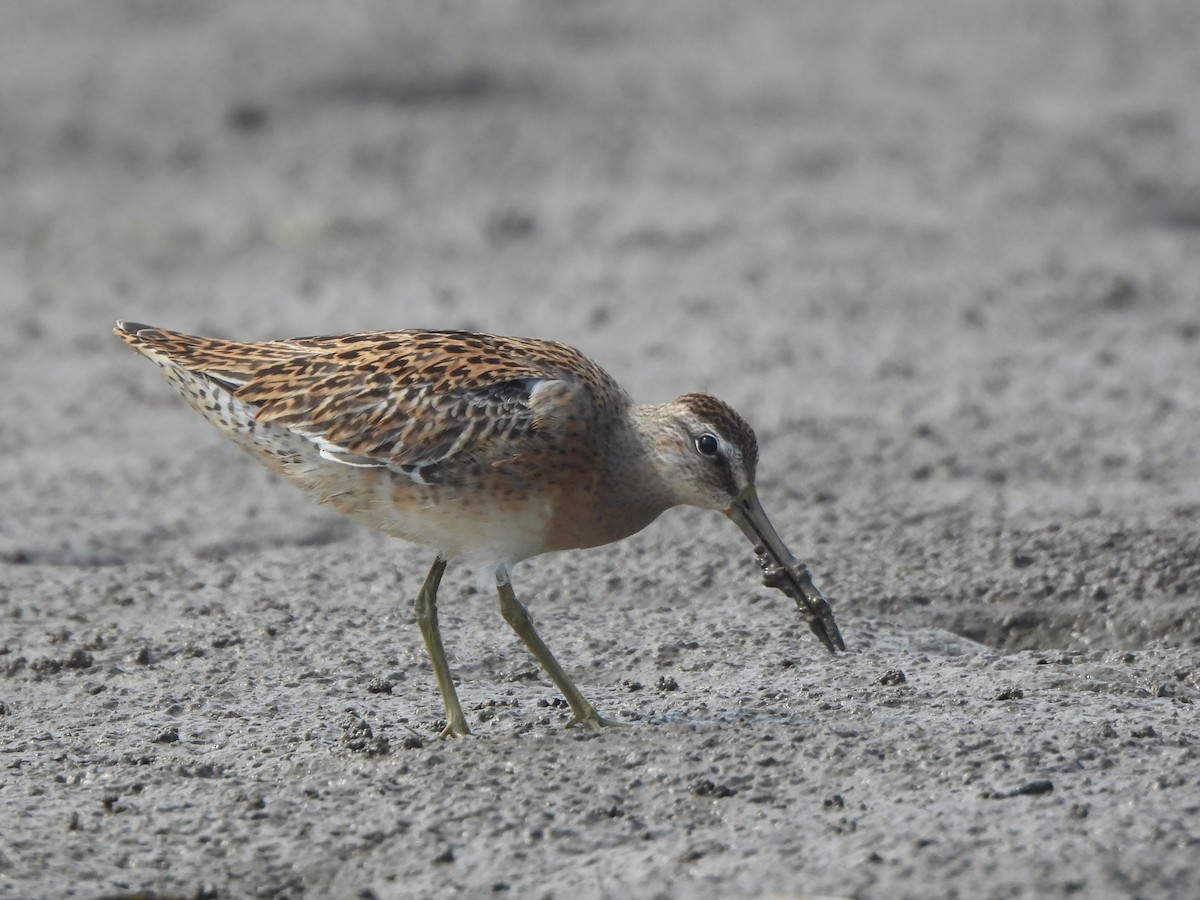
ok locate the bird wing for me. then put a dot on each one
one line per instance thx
(422, 403)
(418, 402)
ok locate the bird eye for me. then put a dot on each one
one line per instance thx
(707, 444)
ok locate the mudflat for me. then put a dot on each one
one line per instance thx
(944, 257)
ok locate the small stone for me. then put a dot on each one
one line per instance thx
(168, 735)
(379, 685)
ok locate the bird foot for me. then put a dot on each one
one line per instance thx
(455, 728)
(593, 721)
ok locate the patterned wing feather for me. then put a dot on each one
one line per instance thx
(419, 402)
(231, 363)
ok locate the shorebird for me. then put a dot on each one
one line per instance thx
(487, 449)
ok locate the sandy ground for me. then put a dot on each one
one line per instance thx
(944, 256)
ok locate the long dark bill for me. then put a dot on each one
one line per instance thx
(783, 571)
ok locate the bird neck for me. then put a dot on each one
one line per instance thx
(641, 460)
(619, 495)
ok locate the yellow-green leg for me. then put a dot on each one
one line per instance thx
(516, 615)
(426, 608)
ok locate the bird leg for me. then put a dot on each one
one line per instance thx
(426, 609)
(516, 615)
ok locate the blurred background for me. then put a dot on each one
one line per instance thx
(943, 256)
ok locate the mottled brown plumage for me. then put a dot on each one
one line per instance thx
(485, 448)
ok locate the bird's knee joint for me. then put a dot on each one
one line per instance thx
(425, 610)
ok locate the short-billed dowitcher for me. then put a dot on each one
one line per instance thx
(486, 449)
